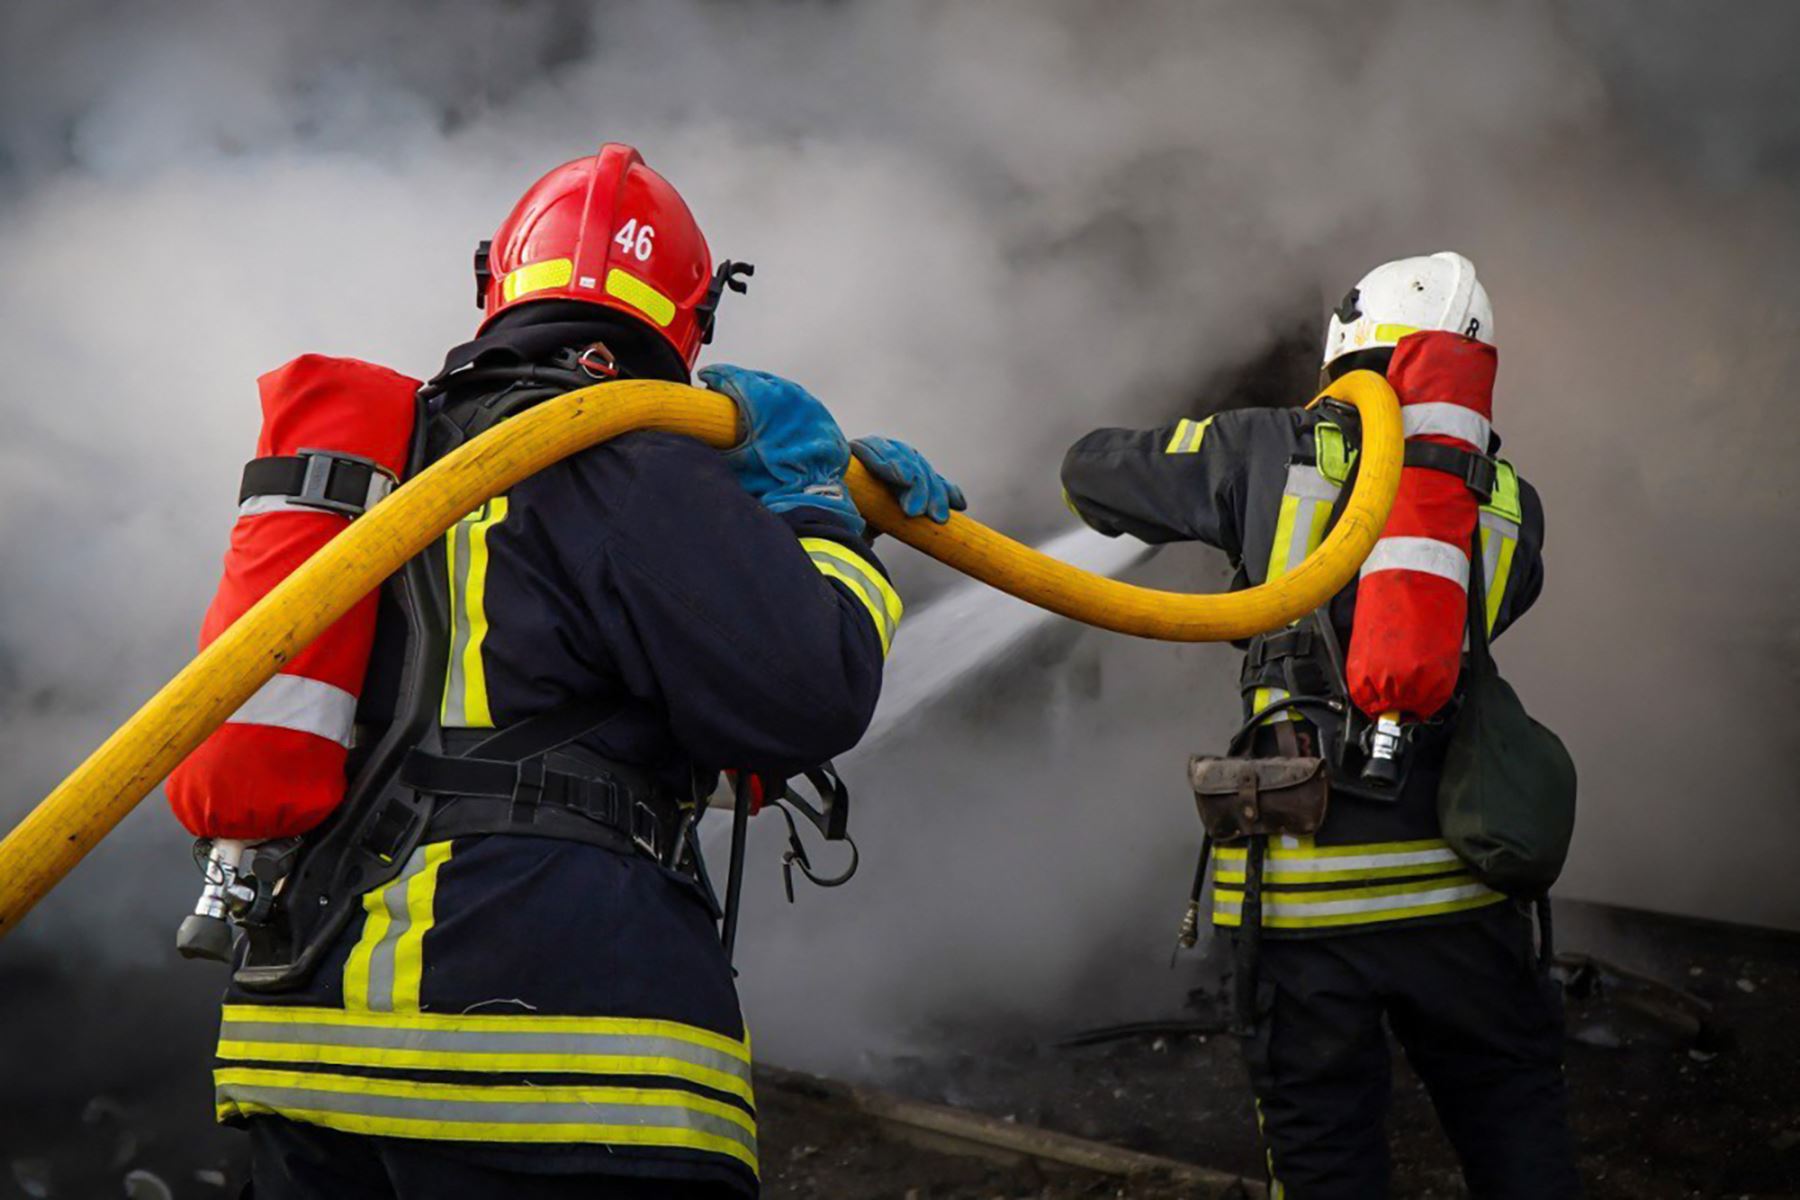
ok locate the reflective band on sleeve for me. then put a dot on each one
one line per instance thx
(1426, 555)
(386, 965)
(641, 296)
(465, 683)
(512, 1114)
(1357, 906)
(1447, 420)
(1297, 860)
(537, 277)
(303, 705)
(487, 1043)
(1187, 435)
(836, 561)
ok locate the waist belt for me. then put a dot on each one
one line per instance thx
(610, 807)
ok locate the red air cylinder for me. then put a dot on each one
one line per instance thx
(276, 769)
(1412, 602)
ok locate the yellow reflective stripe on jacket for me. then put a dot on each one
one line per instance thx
(386, 965)
(1339, 907)
(1297, 860)
(1332, 453)
(1187, 436)
(1500, 520)
(1306, 504)
(1265, 696)
(836, 561)
(465, 684)
(482, 1043)
(528, 1113)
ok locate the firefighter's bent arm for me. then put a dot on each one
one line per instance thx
(762, 635)
(1181, 482)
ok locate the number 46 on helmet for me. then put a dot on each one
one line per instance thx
(608, 230)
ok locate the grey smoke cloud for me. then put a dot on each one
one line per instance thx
(986, 229)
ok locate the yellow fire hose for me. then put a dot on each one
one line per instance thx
(69, 822)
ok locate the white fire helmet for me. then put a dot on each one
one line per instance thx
(1405, 296)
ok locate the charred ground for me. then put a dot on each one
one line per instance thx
(105, 1075)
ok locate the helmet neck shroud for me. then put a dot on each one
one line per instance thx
(531, 354)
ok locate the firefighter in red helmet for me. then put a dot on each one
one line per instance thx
(1355, 917)
(495, 968)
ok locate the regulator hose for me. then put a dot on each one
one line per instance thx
(82, 809)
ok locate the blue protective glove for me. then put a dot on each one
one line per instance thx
(920, 490)
(793, 454)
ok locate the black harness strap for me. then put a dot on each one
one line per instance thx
(1477, 471)
(323, 479)
(503, 784)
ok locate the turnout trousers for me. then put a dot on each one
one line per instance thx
(1480, 1022)
(294, 1161)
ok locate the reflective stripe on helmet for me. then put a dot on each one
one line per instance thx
(641, 296)
(1447, 420)
(506, 1114)
(1426, 555)
(537, 277)
(301, 704)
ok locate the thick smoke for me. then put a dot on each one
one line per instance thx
(984, 228)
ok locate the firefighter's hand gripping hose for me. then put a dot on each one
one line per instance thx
(69, 822)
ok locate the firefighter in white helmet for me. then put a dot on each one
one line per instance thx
(1357, 916)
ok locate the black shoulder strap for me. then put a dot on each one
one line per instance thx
(1478, 471)
(1480, 652)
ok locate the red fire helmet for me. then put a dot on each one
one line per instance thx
(607, 230)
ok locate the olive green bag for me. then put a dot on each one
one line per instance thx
(1507, 798)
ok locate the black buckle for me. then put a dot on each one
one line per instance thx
(1273, 647)
(1481, 474)
(388, 832)
(646, 829)
(1478, 472)
(322, 468)
(528, 790)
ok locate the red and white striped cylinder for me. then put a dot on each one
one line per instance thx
(1412, 601)
(276, 769)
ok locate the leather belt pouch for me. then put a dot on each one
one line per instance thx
(1241, 797)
